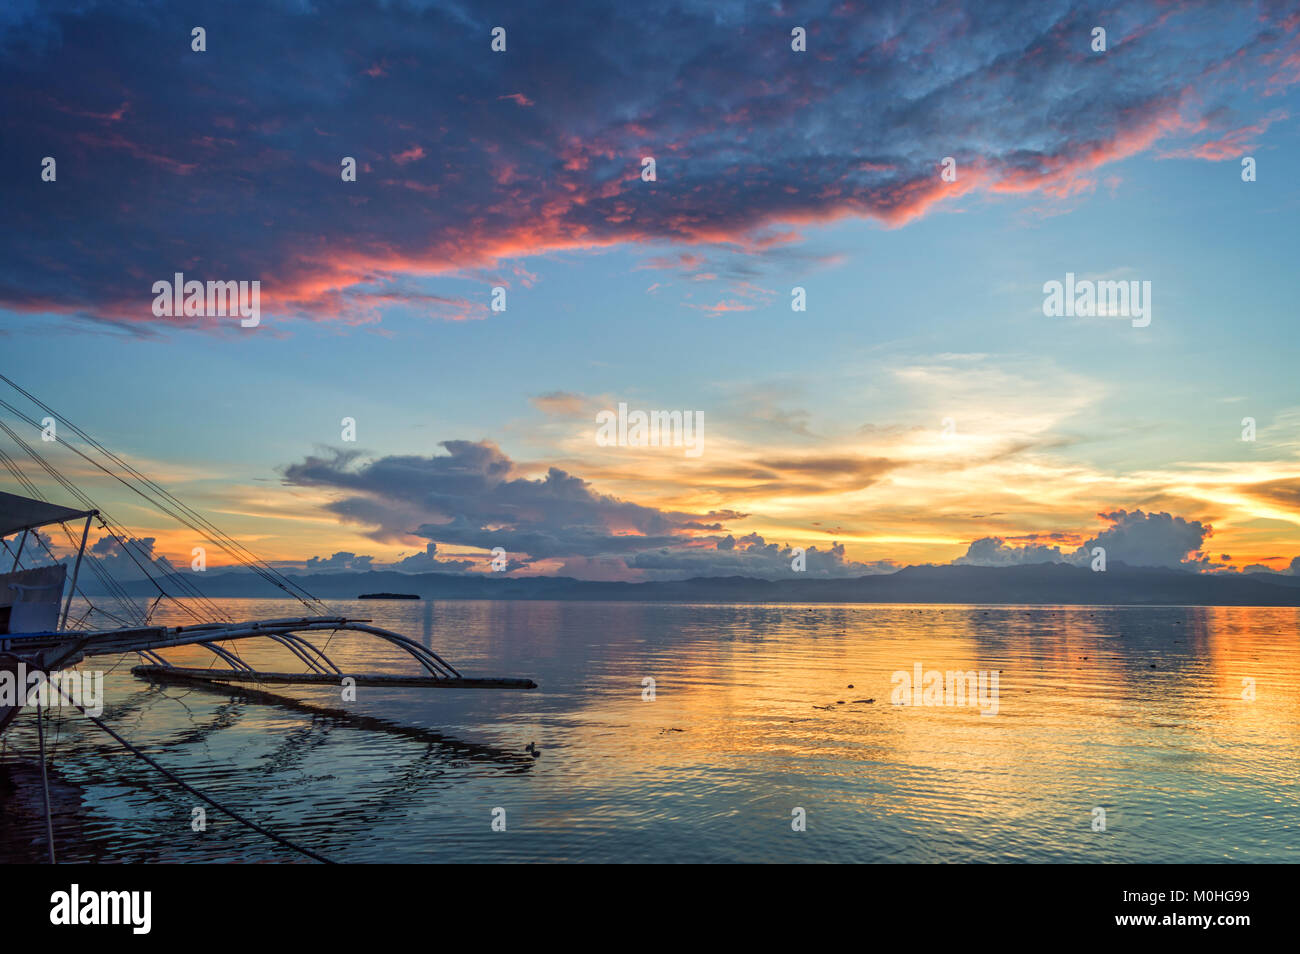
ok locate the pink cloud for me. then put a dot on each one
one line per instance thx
(408, 155)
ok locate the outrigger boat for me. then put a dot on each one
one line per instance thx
(35, 638)
(37, 635)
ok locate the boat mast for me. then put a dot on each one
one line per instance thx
(76, 569)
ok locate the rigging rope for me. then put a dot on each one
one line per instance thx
(110, 584)
(124, 538)
(199, 523)
(85, 501)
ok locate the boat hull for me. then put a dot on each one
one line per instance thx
(9, 663)
(16, 671)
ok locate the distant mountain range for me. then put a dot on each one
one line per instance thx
(1046, 583)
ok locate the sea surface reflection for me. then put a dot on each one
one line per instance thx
(758, 710)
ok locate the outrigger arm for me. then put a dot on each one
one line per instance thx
(147, 641)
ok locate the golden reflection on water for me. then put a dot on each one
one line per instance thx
(757, 710)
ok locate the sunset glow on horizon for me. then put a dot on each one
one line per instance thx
(920, 407)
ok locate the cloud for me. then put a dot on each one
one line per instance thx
(1230, 144)
(127, 562)
(1151, 539)
(225, 164)
(1134, 538)
(428, 562)
(994, 551)
(561, 404)
(341, 562)
(1285, 492)
(408, 155)
(752, 556)
(475, 496)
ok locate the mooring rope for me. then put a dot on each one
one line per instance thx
(192, 790)
(45, 784)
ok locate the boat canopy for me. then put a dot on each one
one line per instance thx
(29, 599)
(25, 513)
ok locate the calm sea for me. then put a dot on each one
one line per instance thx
(1181, 725)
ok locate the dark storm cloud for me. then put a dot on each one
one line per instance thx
(225, 164)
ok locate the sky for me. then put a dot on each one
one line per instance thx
(922, 408)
